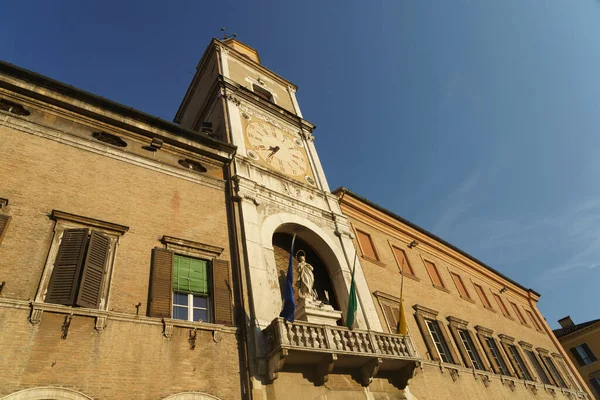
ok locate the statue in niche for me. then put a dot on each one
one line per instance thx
(306, 278)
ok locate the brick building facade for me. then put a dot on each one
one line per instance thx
(103, 209)
(145, 259)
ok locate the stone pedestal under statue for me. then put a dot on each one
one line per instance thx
(316, 312)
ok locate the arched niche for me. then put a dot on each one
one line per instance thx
(322, 251)
(282, 242)
(47, 393)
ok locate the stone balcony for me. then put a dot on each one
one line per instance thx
(323, 349)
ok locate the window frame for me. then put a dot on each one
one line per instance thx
(535, 323)
(520, 315)
(458, 326)
(439, 275)
(440, 342)
(552, 368)
(377, 259)
(190, 307)
(393, 302)
(260, 88)
(485, 301)
(537, 365)
(200, 251)
(502, 306)
(65, 221)
(422, 314)
(467, 296)
(595, 383)
(581, 360)
(515, 357)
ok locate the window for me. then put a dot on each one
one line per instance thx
(532, 318)
(265, 94)
(434, 274)
(554, 371)
(460, 285)
(497, 356)
(583, 354)
(518, 313)
(188, 282)
(465, 338)
(366, 245)
(501, 305)
(401, 259)
(438, 339)
(389, 305)
(482, 296)
(538, 367)
(518, 363)
(79, 263)
(595, 382)
(190, 289)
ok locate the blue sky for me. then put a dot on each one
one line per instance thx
(478, 120)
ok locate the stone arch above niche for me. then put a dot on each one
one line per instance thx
(191, 396)
(47, 393)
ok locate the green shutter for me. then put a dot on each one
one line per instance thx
(190, 275)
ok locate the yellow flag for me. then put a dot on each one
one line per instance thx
(402, 326)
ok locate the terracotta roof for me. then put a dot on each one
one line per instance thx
(568, 330)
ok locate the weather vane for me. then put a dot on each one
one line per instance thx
(233, 35)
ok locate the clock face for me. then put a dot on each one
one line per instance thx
(282, 151)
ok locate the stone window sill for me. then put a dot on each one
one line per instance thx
(102, 316)
(373, 260)
(411, 276)
(443, 289)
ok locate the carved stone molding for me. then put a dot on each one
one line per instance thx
(324, 368)
(454, 373)
(369, 370)
(100, 323)
(167, 329)
(275, 364)
(36, 314)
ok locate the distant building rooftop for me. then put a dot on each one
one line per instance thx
(569, 327)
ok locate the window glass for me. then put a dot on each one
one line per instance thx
(518, 362)
(470, 348)
(438, 339)
(495, 351)
(596, 384)
(554, 370)
(538, 367)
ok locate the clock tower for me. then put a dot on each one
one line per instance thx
(279, 190)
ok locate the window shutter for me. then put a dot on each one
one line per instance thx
(222, 292)
(4, 221)
(389, 314)
(161, 283)
(93, 271)
(67, 266)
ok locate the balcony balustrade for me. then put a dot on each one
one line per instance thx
(364, 354)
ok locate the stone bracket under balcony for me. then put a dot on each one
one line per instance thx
(322, 349)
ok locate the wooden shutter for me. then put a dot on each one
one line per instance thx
(94, 269)
(389, 315)
(460, 285)
(366, 244)
(434, 274)
(401, 258)
(222, 292)
(4, 221)
(161, 283)
(62, 287)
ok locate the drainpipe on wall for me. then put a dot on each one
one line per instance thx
(561, 350)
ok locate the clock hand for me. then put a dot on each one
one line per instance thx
(274, 149)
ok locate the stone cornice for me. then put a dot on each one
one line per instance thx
(96, 223)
